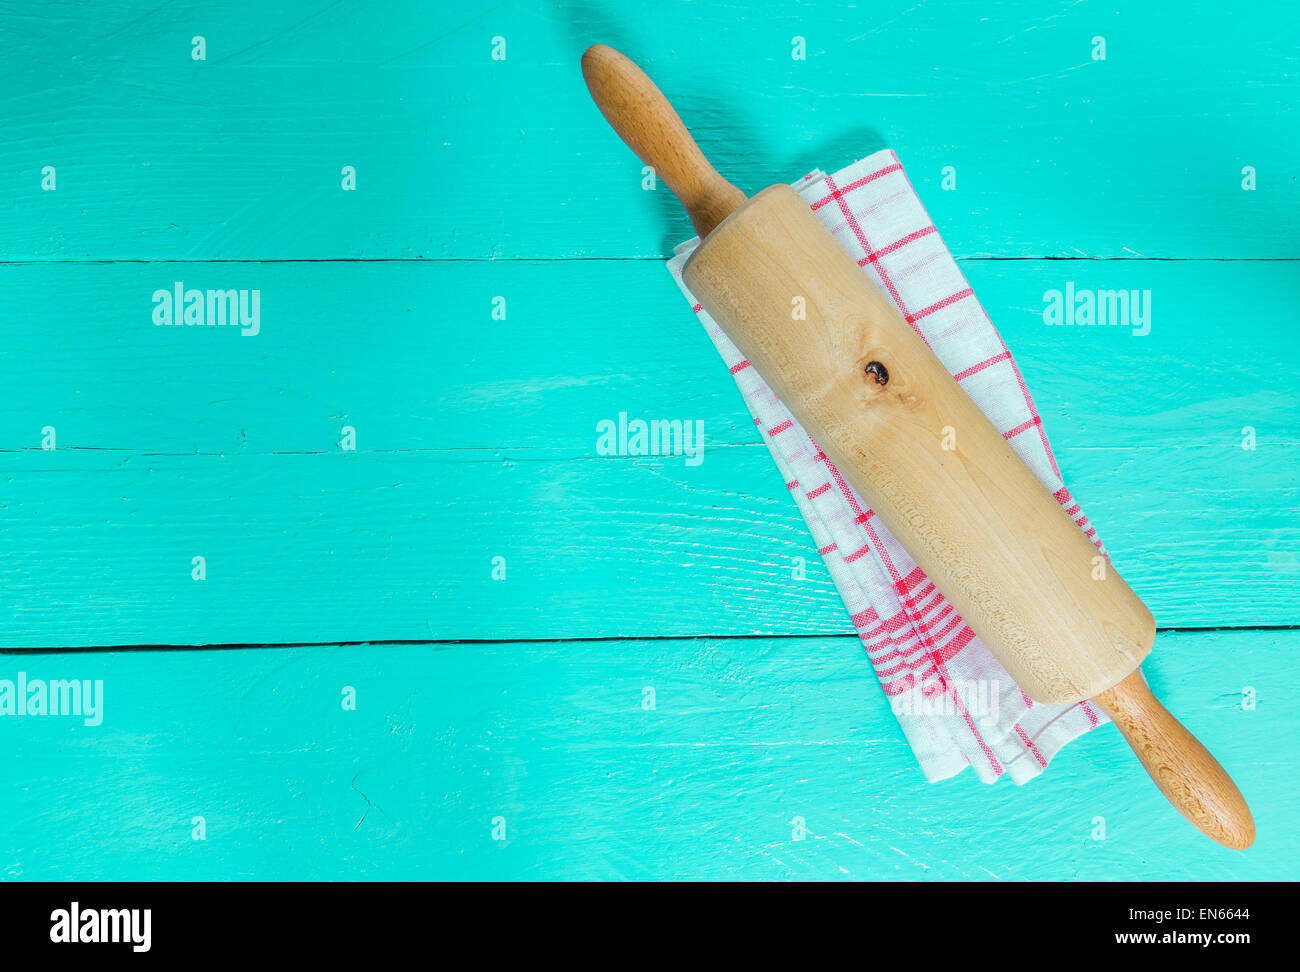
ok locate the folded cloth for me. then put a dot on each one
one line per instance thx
(956, 704)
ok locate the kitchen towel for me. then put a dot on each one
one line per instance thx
(956, 704)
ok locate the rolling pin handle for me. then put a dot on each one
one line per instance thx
(1189, 777)
(645, 120)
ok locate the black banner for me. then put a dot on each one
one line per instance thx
(336, 921)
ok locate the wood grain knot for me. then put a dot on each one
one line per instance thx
(879, 372)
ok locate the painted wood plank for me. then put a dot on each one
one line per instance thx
(744, 736)
(240, 156)
(477, 439)
(98, 549)
(410, 355)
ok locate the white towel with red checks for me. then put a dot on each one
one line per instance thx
(956, 704)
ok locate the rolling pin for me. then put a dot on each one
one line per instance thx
(876, 400)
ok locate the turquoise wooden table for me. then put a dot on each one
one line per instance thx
(364, 597)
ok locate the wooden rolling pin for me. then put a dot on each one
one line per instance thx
(875, 398)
